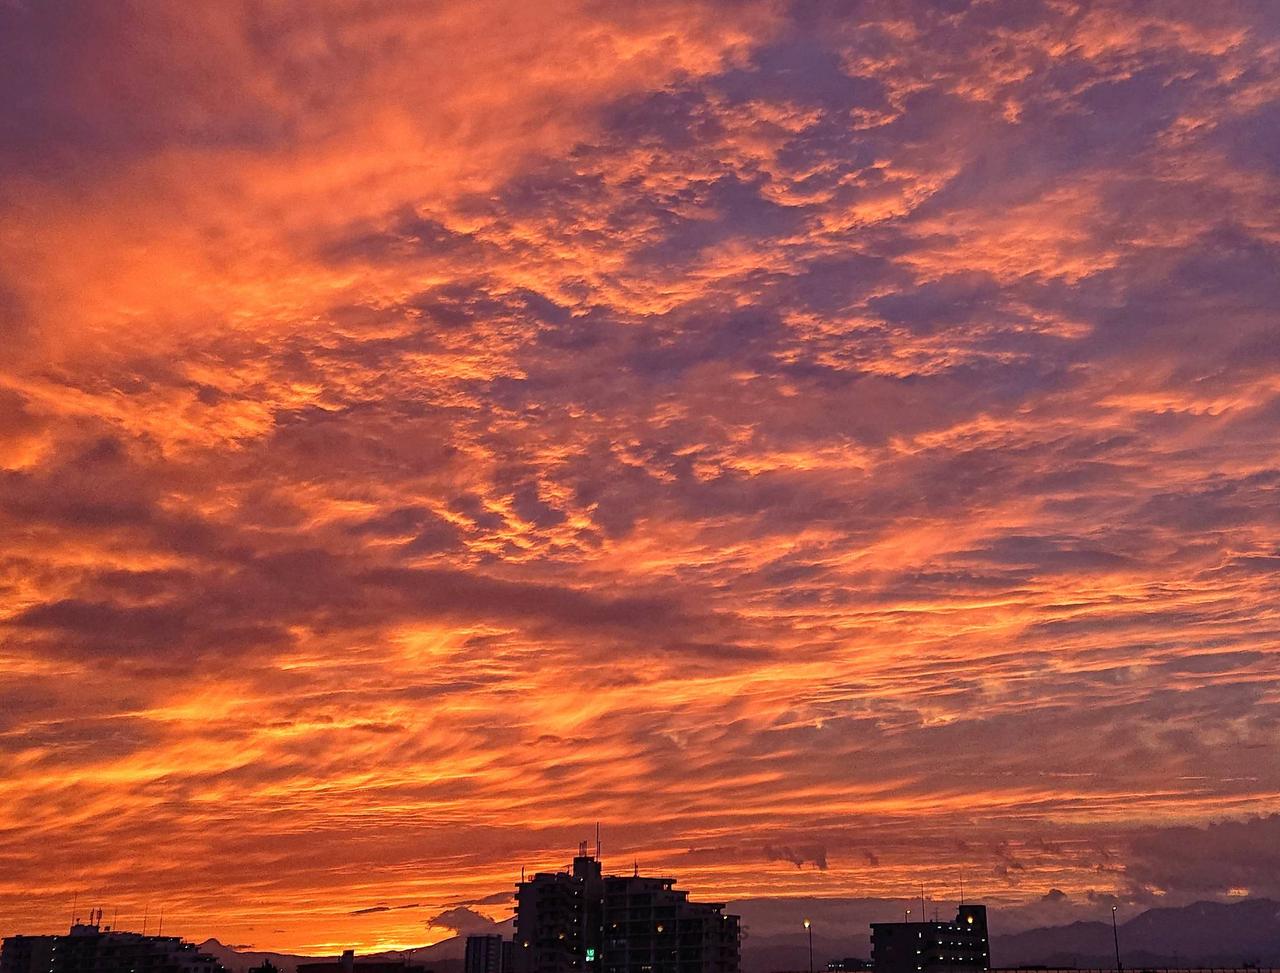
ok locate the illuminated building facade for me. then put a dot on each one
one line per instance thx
(933, 947)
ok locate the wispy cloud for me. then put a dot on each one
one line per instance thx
(813, 435)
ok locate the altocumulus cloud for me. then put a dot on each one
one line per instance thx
(815, 435)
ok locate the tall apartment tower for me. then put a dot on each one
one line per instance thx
(558, 919)
(933, 947)
(582, 921)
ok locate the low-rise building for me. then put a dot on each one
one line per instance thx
(348, 963)
(959, 946)
(93, 948)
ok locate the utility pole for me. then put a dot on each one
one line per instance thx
(1115, 934)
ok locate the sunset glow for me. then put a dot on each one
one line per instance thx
(833, 445)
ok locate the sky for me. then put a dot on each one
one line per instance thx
(834, 445)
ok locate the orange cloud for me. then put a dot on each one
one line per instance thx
(830, 438)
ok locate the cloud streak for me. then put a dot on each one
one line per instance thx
(821, 436)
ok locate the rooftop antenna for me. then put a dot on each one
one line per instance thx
(597, 841)
(160, 929)
(522, 873)
(962, 888)
(924, 916)
(75, 897)
(636, 873)
(146, 912)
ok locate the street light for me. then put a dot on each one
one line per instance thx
(1116, 935)
(906, 916)
(809, 926)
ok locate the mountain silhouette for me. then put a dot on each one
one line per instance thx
(1201, 934)
(1210, 934)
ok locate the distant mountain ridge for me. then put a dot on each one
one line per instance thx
(442, 957)
(1200, 934)
(1211, 934)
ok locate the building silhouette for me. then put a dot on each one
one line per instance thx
(582, 921)
(348, 963)
(93, 948)
(933, 947)
(489, 953)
